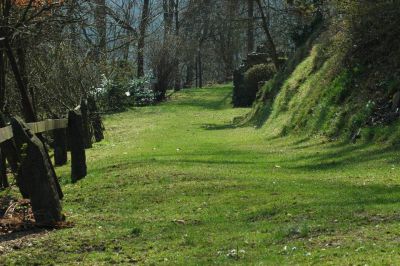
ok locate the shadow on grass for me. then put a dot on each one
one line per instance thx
(297, 155)
(22, 234)
(218, 126)
(343, 155)
(165, 162)
(231, 125)
(352, 203)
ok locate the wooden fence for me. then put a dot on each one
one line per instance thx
(6, 133)
(24, 147)
(47, 126)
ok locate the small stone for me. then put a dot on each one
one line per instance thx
(180, 221)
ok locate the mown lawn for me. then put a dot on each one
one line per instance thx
(176, 184)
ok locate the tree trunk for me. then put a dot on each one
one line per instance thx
(3, 170)
(101, 26)
(200, 68)
(197, 70)
(29, 112)
(270, 40)
(128, 32)
(2, 80)
(177, 25)
(21, 56)
(141, 43)
(189, 75)
(168, 9)
(250, 26)
(178, 81)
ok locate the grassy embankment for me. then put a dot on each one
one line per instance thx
(176, 184)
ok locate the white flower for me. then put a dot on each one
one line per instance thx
(99, 90)
(128, 94)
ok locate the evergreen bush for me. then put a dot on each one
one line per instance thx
(246, 86)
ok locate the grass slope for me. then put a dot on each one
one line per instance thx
(176, 184)
(341, 82)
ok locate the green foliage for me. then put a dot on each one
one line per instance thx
(257, 73)
(245, 91)
(117, 95)
(141, 91)
(393, 86)
(339, 88)
(136, 232)
(360, 118)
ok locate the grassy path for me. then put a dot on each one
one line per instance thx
(175, 184)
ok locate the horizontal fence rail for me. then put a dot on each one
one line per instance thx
(6, 133)
(48, 125)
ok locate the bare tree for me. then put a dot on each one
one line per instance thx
(270, 40)
(142, 33)
(250, 26)
(101, 26)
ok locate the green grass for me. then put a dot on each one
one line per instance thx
(176, 184)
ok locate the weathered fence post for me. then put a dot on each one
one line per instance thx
(58, 186)
(36, 177)
(95, 118)
(43, 140)
(9, 149)
(77, 146)
(3, 170)
(10, 153)
(60, 147)
(87, 132)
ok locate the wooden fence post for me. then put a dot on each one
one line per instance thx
(77, 146)
(10, 153)
(87, 131)
(3, 170)
(36, 177)
(10, 150)
(60, 147)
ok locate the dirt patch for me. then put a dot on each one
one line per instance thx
(15, 215)
(18, 228)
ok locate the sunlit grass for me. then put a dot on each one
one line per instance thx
(177, 184)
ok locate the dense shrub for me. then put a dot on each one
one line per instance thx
(257, 73)
(111, 95)
(141, 91)
(118, 95)
(246, 86)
